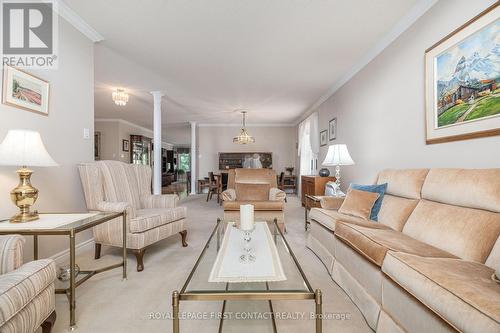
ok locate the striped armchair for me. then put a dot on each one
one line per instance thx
(27, 292)
(113, 186)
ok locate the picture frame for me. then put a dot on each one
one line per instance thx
(125, 145)
(323, 138)
(461, 101)
(97, 146)
(332, 129)
(25, 91)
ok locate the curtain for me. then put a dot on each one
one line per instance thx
(308, 146)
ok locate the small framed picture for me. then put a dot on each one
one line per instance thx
(332, 129)
(323, 138)
(125, 145)
(25, 91)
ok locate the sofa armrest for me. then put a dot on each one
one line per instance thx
(275, 194)
(159, 201)
(328, 202)
(117, 207)
(11, 252)
(229, 195)
(19, 288)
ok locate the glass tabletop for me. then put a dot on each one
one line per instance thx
(198, 280)
(59, 222)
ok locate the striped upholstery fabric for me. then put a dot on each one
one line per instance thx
(150, 218)
(11, 253)
(27, 296)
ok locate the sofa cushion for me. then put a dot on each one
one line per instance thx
(406, 183)
(465, 232)
(373, 243)
(473, 188)
(147, 219)
(395, 211)
(258, 205)
(459, 291)
(359, 203)
(380, 189)
(328, 218)
(253, 191)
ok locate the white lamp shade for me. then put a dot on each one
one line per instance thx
(337, 155)
(24, 148)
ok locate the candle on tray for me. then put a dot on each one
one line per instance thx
(246, 217)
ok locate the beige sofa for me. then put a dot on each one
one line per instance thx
(27, 292)
(427, 265)
(112, 186)
(258, 187)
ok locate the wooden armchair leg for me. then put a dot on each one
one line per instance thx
(183, 238)
(49, 322)
(97, 254)
(139, 256)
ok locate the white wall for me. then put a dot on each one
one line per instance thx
(281, 141)
(380, 112)
(178, 135)
(71, 110)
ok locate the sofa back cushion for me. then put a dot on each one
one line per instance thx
(143, 176)
(467, 233)
(406, 183)
(252, 192)
(473, 188)
(119, 182)
(395, 211)
(256, 176)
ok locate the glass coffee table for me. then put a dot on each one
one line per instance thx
(241, 296)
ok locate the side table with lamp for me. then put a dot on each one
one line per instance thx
(25, 148)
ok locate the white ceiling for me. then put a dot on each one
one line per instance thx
(275, 58)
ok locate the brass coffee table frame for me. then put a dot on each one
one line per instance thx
(260, 295)
(71, 232)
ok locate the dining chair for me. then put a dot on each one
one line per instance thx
(281, 182)
(213, 186)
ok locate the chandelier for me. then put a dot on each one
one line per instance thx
(244, 138)
(120, 97)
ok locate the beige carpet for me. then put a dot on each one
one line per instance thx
(142, 303)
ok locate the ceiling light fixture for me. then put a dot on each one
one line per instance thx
(120, 97)
(244, 138)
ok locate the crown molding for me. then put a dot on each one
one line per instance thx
(248, 125)
(77, 21)
(401, 26)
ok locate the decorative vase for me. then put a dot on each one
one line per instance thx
(324, 172)
(64, 272)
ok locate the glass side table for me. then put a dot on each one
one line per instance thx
(67, 224)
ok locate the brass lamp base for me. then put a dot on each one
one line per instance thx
(24, 196)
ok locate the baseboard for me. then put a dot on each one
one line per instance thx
(63, 256)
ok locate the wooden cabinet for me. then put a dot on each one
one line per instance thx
(313, 185)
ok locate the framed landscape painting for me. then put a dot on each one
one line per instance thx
(462, 74)
(25, 91)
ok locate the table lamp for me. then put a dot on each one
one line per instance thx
(24, 148)
(337, 155)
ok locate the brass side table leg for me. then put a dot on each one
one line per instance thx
(175, 311)
(124, 245)
(35, 247)
(72, 281)
(319, 311)
(305, 213)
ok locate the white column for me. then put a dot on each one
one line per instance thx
(157, 95)
(193, 157)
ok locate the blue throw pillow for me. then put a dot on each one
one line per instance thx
(380, 189)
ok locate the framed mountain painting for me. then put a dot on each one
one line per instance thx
(462, 77)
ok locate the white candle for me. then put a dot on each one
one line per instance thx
(246, 217)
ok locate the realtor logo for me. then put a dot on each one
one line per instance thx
(29, 33)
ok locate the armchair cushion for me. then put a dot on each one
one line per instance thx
(11, 252)
(251, 192)
(152, 218)
(20, 287)
(258, 205)
(159, 201)
(275, 194)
